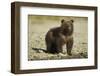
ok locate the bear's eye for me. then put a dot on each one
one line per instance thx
(72, 25)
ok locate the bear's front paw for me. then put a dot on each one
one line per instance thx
(69, 53)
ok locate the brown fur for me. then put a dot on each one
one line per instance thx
(57, 37)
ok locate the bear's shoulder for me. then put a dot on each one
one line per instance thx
(56, 31)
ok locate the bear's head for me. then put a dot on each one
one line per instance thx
(67, 27)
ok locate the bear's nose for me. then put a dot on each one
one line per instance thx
(69, 28)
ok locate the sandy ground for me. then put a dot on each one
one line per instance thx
(38, 27)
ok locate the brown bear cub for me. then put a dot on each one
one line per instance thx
(57, 37)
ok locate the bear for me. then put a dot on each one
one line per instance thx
(58, 36)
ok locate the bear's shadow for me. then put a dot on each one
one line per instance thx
(39, 49)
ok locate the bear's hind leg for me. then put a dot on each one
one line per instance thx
(54, 48)
(59, 46)
(69, 46)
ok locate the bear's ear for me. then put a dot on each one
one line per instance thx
(72, 21)
(62, 20)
